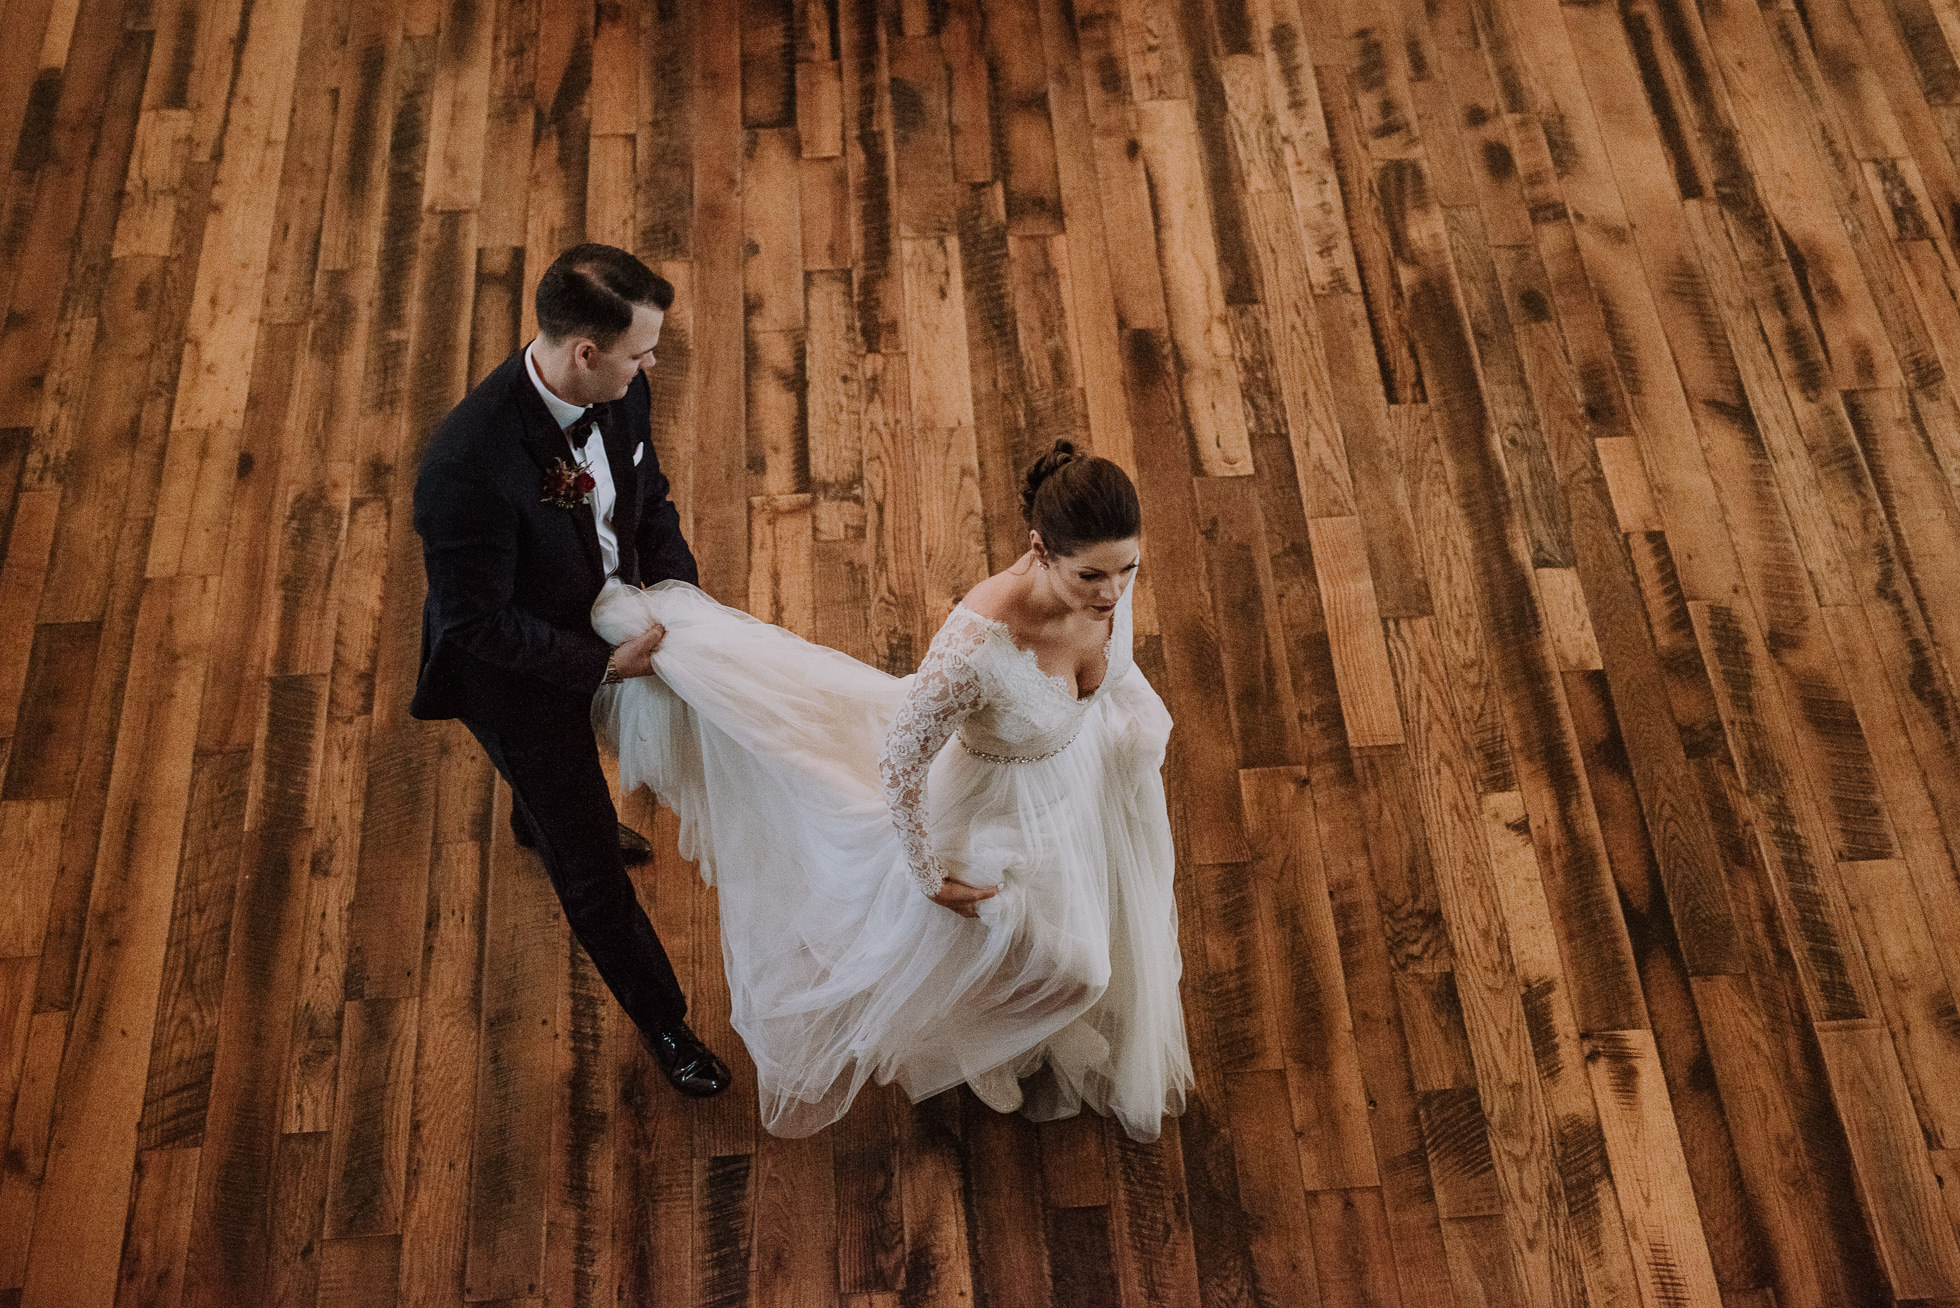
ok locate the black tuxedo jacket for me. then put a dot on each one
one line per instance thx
(512, 577)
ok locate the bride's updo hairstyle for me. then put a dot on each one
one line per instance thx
(1075, 499)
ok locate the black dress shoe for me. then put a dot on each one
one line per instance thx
(633, 847)
(689, 1066)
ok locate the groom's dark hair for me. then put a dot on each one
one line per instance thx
(590, 290)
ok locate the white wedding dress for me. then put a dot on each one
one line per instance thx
(824, 800)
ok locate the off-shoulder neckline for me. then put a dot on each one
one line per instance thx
(1034, 659)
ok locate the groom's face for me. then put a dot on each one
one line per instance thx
(609, 372)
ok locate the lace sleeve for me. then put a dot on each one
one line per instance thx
(945, 691)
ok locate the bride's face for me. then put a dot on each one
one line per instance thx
(1094, 578)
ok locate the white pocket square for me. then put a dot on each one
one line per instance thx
(639, 452)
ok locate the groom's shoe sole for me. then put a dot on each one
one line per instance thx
(633, 847)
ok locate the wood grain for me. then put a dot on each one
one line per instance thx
(1543, 422)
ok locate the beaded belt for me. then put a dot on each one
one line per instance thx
(1015, 758)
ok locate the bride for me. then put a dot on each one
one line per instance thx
(997, 912)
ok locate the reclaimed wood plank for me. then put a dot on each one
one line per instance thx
(768, 63)
(232, 1235)
(930, 1190)
(299, 1203)
(1789, 1144)
(359, 1271)
(524, 949)
(820, 109)
(663, 163)
(1258, 684)
(441, 1123)
(1811, 897)
(941, 395)
(653, 1151)
(30, 830)
(1352, 1252)
(220, 335)
(1905, 781)
(1091, 274)
(177, 1092)
(159, 1228)
(1736, 1240)
(1355, 628)
(1003, 1180)
(1912, 988)
(92, 1148)
(781, 572)
(24, 1171)
(1008, 433)
(1187, 253)
(1401, 376)
(870, 1220)
(1020, 118)
(772, 228)
(579, 1222)
(718, 492)
(32, 520)
(1190, 652)
(1442, 535)
(1151, 1223)
(794, 1247)
(1315, 419)
(1526, 1065)
(1670, 1252)
(1916, 1242)
(1075, 1163)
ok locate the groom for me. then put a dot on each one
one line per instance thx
(539, 486)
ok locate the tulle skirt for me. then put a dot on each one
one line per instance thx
(1064, 991)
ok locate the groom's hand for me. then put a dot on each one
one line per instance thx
(962, 898)
(635, 657)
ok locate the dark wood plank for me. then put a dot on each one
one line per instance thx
(1835, 973)
(870, 1217)
(723, 1205)
(719, 491)
(48, 736)
(442, 1120)
(1018, 80)
(299, 1202)
(1239, 578)
(177, 1092)
(232, 1235)
(1165, 488)
(1003, 1186)
(91, 1154)
(578, 1262)
(159, 1225)
(524, 935)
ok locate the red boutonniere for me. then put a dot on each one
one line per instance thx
(567, 485)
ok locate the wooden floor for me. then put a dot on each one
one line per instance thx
(1552, 486)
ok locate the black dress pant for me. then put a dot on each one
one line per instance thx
(546, 751)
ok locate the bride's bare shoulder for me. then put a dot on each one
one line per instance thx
(999, 596)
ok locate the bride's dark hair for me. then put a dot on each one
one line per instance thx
(1075, 499)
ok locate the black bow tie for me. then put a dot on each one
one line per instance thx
(581, 429)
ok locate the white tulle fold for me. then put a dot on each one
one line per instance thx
(840, 971)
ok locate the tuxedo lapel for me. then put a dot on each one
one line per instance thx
(545, 442)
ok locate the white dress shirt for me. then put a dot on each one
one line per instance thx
(594, 455)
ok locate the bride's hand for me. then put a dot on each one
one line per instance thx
(635, 657)
(962, 898)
